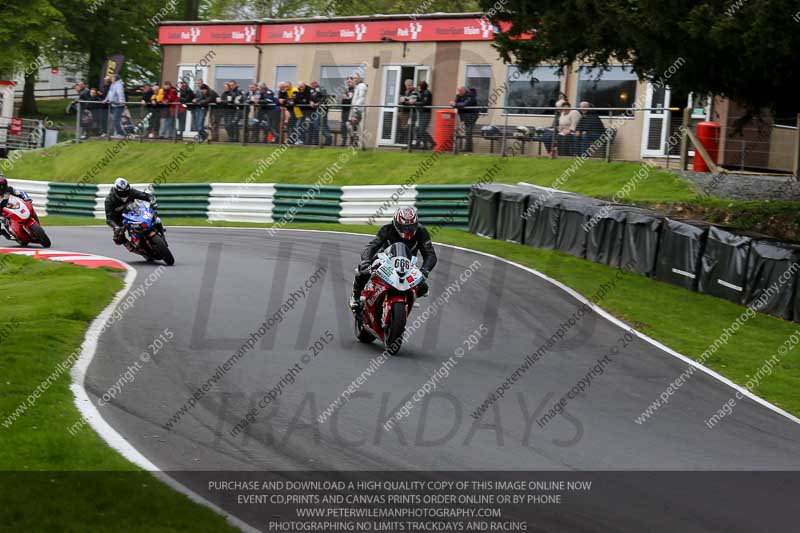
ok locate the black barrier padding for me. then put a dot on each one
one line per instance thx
(680, 250)
(771, 278)
(604, 232)
(575, 212)
(542, 215)
(483, 202)
(512, 206)
(723, 270)
(640, 241)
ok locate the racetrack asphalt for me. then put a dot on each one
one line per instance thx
(226, 282)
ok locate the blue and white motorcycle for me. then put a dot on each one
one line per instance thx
(144, 230)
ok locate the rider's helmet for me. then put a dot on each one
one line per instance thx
(406, 222)
(122, 189)
(3, 184)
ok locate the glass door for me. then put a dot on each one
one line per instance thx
(190, 74)
(387, 125)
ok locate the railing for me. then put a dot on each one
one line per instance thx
(614, 134)
(27, 137)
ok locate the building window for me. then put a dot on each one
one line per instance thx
(615, 87)
(786, 116)
(479, 77)
(243, 75)
(536, 88)
(285, 73)
(331, 78)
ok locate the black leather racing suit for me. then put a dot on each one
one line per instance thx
(386, 236)
(115, 206)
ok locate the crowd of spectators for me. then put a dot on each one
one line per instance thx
(300, 114)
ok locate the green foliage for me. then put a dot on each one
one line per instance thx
(745, 50)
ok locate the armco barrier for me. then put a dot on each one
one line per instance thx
(443, 205)
(373, 204)
(742, 267)
(439, 205)
(306, 203)
(183, 199)
(241, 202)
(75, 199)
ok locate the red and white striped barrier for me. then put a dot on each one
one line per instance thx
(87, 260)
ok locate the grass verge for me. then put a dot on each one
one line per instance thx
(143, 162)
(52, 480)
(686, 321)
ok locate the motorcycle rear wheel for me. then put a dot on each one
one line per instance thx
(396, 327)
(40, 236)
(161, 248)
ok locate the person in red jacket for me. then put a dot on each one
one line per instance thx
(169, 99)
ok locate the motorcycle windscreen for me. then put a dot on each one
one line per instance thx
(640, 241)
(511, 208)
(723, 270)
(680, 249)
(483, 203)
(575, 212)
(771, 278)
(604, 232)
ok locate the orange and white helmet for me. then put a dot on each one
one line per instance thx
(406, 222)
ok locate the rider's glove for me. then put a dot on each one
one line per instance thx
(154, 204)
(363, 266)
(119, 231)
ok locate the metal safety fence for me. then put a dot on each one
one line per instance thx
(609, 134)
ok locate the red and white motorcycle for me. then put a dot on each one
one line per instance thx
(388, 297)
(22, 223)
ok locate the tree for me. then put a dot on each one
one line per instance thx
(746, 51)
(102, 28)
(29, 30)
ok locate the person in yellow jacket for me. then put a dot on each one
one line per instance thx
(286, 95)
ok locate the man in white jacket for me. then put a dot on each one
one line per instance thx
(358, 109)
(116, 97)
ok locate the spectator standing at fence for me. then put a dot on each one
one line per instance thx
(319, 105)
(198, 113)
(424, 103)
(115, 98)
(82, 90)
(346, 98)
(358, 110)
(302, 103)
(269, 114)
(467, 107)
(566, 125)
(231, 99)
(405, 120)
(207, 98)
(168, 100)
(590, 127)
(286, 99)
(186, 98)
(95, 108)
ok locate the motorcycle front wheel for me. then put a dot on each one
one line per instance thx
(160, 247)
(40, 236)
(395, 328)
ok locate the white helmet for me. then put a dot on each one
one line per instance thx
(122, 188)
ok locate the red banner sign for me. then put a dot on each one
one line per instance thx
(377, 31)
(15, 126)
(212, 34)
